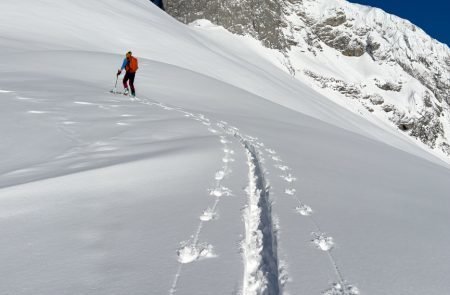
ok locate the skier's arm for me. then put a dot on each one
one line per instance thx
(124, 65)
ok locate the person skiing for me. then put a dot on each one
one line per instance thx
(130, 65)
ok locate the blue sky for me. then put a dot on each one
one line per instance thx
(433, 16)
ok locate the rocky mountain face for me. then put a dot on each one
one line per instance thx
(384, 65)
(260, 19)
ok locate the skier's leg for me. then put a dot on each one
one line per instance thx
(132, 76)
(125, 81)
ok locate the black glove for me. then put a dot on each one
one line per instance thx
(119, 72)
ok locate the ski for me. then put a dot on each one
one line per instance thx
(121, 93)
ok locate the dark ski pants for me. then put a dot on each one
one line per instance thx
(129, 77)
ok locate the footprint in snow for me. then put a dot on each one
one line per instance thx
(220, 175)
(289, 178)
(251, 138)
(208, 215)
(290, 191)
(212, 130)
(227, 159)
(220, 192)
(322, 241)
(233, 131)
(304, 210)
(282, 167)
(276, 159)
(224, 140)
(228, 151)
(270, 151)
(191, 253)
(342, 289)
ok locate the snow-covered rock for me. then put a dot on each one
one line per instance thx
(357, 51)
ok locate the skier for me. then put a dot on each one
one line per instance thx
(130, 64)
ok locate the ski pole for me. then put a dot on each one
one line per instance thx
(115, 86)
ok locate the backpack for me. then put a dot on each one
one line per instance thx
(133, 65)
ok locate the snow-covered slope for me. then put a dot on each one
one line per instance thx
(373, 63)
(224, 176)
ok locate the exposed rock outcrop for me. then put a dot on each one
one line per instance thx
(353, 31)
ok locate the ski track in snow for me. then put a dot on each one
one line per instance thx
(262, 272)
(261, 265)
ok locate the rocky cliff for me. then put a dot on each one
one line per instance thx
(385, 66)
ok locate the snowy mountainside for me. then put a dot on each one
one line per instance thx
(225, 175)
(374, 63)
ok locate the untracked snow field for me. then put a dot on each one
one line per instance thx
(223, 176)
